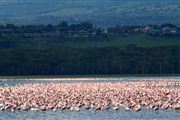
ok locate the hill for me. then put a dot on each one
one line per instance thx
(102, 13)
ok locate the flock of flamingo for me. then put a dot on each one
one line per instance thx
(96, 96)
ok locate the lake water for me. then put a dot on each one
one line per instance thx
(121, 114)
(16, 81)
(92, 115)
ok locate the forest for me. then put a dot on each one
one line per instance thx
(84, 49)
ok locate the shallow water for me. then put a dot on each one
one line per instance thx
(144, 114)
(13, 82)
(92, 115)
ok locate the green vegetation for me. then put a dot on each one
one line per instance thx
(75, 50)
(38, 42)
(139, 40)
(105, 60)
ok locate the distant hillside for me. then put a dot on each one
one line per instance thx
(100, 12)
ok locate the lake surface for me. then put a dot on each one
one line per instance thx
(121, 114)
(19, 81)
(92, 115)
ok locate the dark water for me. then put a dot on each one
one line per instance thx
(121, 114)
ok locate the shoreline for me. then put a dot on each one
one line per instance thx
(90, 77)
(110, 78)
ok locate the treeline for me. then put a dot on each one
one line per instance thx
(63, 27)
(85, 49)
(87, 29)
(108, 60)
